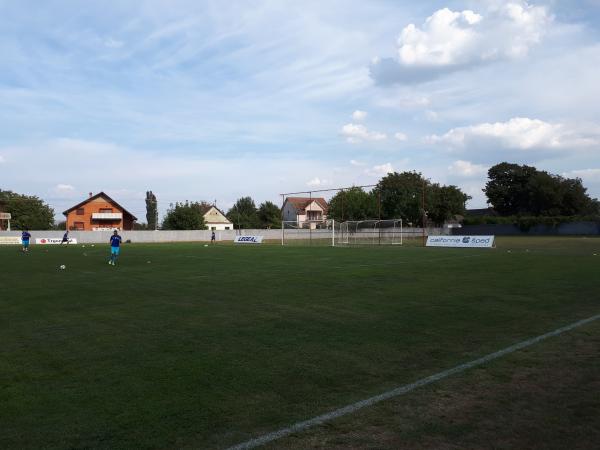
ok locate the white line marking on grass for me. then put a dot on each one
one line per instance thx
(349, 409)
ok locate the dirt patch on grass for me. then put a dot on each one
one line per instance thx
(543, 397)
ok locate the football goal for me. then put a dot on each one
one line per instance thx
(370, 232)
(348, 233)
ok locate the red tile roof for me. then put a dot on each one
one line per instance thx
(300, 203)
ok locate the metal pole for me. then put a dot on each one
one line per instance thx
(424, 214)
(309, 223)
(282, 221)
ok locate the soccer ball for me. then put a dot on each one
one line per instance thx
(63, 267)
(206, 245)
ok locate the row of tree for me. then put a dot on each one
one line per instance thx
(243, 214)
(27, 211)
(513, 190)
(406, 195)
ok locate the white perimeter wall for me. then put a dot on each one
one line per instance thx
(95, 237)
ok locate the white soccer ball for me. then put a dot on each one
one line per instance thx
(92, 245)
(149, 262)
(63, 267)
(206, 245)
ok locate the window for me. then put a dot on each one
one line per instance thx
(227, 228)
(106, 210)
(80, 212)
(213, 228)
(78, 226)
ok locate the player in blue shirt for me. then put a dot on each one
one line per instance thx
(65, 239)
(115, 247)
(25, 236)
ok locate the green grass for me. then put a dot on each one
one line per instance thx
(207, 347)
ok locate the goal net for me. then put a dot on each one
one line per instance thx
(348, 233)
(370, 232)
(309, 232)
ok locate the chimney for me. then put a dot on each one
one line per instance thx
(90, 195)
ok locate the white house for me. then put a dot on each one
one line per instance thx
(215, 219)
(305, 209)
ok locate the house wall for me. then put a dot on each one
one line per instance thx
(94, 206)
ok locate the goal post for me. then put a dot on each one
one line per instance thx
(371, 232)
(309, 232)
(368, 232)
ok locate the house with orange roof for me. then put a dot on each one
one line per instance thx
(305, 210)
(99, 213)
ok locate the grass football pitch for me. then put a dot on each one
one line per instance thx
(187, 346)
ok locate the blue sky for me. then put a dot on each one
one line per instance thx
(212, 100)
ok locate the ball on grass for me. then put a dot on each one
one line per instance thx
(148, 262)
(63, 267)
(206, 245)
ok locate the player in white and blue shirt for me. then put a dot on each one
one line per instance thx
(25, 236)
(115, 247)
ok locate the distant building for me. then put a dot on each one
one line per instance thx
(305, 209)
(478, 212)
(99, 213)
(215, 219)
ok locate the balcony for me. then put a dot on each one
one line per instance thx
(107, 216)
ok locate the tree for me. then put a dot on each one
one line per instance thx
(523, 190)
(269, 215)
(27, 211)
(244, 214)
(507, 189)
(444, 202)
(184, 216)
(402, 197)
(151, 211)
(353, 204)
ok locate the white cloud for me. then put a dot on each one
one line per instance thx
(584, 174)
(466, 169)
(315, 182)
(64, 188)
(113, 43)
(520, 133)
(401, 136)
(359, 115)
(2, 159)
(356, 163)
(356, 133)
(449, 40)
(63, 191)
(380, 170)
(432, 116)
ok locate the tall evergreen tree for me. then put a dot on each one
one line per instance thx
(151, 211)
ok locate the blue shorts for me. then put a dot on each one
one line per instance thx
(115, 250)
(25, 243)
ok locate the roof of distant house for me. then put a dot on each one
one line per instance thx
(300, 203)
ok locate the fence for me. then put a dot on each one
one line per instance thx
(563, 229)
(96, 237)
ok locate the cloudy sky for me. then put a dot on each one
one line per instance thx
(213, 100)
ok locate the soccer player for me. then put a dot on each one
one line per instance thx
(25, 236)
(115, 247)
(65, 239)
(212, 237)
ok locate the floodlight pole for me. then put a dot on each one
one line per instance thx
(282, 224)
